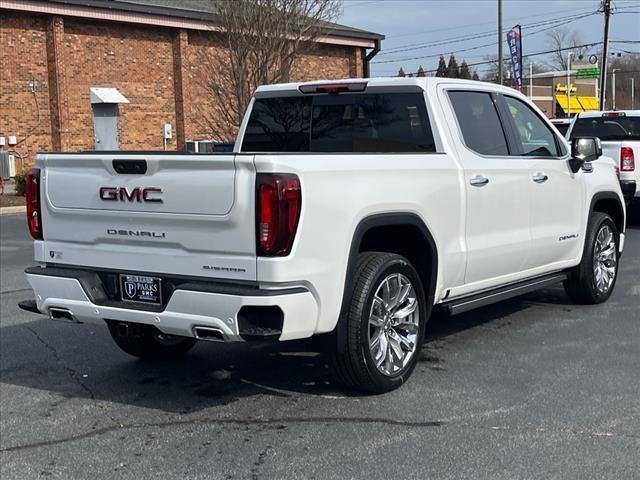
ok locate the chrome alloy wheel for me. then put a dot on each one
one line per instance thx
(394, 324)
(605, 260)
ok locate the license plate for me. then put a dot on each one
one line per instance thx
(140, 288)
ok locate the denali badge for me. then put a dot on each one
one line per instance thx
(135, 233)
(136, 194)
(567, 237)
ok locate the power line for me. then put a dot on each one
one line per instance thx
(486, 23)
(489, 33)
(535, 54)
(468, 49)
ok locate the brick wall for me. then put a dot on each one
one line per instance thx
(23, 60)
(138, 61)
(159, 70)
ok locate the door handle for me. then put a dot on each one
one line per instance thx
(479, 181)
(540, 178)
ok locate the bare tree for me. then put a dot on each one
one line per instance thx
(490, 73)
(559, 40)
(260, 40)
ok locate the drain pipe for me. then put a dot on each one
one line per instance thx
(369, 56)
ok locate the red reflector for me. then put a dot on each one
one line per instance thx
(333, 87)
(278, 199)
(627, 160)
(32, 191)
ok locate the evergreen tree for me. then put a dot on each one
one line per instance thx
(475, 76)
(464, 71)
(421, 72)
(401, 73)
(442, 68)
(452, 68)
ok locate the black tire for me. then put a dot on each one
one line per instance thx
(353, 363)
(581, 286)
(148, 342)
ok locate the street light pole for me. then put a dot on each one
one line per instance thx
(568, 84)
(606, 9)
(613, 86)
(500, 74)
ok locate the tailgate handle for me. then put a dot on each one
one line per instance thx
(134, 167)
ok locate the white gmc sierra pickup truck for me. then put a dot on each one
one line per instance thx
(347, 208)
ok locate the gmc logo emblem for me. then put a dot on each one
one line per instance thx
(136, 194)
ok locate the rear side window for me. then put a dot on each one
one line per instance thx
(608, 128)
(536, 137)
(479, 122)
(373, 123)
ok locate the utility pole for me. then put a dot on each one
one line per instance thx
(633, 102)
(569, 84)
(500, 74)
(613, 86)
(606, 9)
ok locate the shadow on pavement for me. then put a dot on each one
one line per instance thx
(82, 361)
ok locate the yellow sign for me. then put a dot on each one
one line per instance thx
(563, 88)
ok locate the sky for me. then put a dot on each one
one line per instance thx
(409, 24)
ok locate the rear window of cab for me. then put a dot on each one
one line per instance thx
(360, 122)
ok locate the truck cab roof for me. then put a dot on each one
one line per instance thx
(423, 83)
(610, 113)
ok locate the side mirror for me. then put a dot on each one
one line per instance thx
(584, 149)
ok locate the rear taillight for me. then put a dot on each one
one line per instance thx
(627, 161)
(34, 215)
(278, 200)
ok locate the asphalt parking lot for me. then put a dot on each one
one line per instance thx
(531, 388)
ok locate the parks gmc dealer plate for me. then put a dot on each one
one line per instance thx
(139, 288)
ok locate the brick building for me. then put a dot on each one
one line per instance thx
(549, 92)
(73, 70)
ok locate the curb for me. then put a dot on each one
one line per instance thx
(13, 210)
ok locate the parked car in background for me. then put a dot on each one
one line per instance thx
(619, 132)
(562, 124)
(348, 209)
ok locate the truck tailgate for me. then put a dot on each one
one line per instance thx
(190, 215)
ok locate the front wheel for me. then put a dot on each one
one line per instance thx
(593, 280)
(385, 324)
(148, 342)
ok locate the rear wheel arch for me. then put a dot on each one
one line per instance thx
(375, 233)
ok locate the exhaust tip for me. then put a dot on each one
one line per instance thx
(56, 313)
(210, 334)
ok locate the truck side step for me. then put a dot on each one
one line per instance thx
(470, 302)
